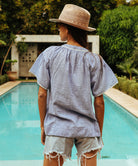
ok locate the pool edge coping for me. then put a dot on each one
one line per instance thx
(124, 100)
(11, 84)
(8, 86)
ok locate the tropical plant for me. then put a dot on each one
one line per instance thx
(127, 68)
(12, 39)
(2, 42)
(8, 63)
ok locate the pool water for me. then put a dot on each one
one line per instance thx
(20, 131)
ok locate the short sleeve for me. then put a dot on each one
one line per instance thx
(41, 70)
(101, 75)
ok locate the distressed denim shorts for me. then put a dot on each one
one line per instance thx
(63, 146)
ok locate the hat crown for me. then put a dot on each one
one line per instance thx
(75, 15)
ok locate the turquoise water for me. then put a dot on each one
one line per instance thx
(20, 131)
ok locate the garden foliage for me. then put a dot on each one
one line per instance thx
(32, 16)
(127, 67)
(127, 86)
(3, 79)
(117, 31)
(135, 53)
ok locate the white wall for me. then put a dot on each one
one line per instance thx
(94, 39)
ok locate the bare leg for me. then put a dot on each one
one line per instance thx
(53, 160)
(89, 159)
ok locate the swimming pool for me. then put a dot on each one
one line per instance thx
(20, 131)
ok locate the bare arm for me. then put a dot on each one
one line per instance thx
(42, 99)
(99, 111)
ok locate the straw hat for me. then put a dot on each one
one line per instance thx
(75, 16)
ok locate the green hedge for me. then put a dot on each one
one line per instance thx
(3, 79)
(127, 86)
(117, 30)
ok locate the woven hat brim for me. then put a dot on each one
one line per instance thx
(89, 29)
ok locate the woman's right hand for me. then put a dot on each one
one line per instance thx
(43, 136)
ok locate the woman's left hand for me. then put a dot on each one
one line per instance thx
(43, 136)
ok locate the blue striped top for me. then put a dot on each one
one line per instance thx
(72, 74)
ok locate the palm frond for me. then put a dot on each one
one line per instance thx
(2, 42)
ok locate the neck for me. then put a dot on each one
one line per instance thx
(71, 41)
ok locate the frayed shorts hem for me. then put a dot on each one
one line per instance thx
(63, 146)
(49, 156)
